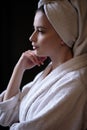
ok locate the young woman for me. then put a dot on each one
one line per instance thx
(57, 98)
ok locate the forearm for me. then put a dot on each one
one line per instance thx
(26, 61)
(14, 83)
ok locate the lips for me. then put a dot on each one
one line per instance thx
(35, 47)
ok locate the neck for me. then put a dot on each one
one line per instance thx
(60, 59)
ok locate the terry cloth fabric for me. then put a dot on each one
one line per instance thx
(69, 19)
(56, 101)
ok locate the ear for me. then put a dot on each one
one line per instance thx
(62, 42)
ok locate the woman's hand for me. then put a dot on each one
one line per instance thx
(29, 60)
(26, 61)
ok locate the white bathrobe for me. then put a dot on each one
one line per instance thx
(54, 101)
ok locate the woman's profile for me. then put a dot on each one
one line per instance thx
(57, 97)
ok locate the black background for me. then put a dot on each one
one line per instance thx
(16, 27)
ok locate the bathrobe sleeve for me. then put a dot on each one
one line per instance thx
(9, 109)
(63, 110)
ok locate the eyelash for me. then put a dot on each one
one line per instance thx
(40, 31)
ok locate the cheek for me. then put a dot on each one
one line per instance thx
(48, 41)
(43, 41)
(46, 44)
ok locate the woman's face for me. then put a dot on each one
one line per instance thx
(45, 40)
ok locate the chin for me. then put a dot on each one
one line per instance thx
(39, 54)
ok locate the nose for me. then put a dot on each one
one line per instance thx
(33, 37)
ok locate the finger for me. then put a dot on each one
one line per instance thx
(31, 55)
(42, 59)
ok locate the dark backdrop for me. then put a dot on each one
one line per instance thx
(16, 27)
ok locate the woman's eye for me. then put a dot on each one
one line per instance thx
(40, 31)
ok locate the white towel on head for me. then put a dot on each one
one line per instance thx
(80, 46)
(69, 19)
(56, 12)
